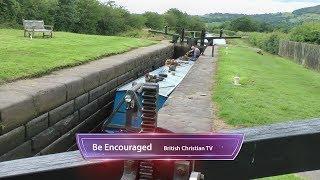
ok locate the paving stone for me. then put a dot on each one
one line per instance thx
(43, 139)
(22, 151)
(67, 124)
(61, 112)
(12, 139)
(81, 101)
(15, 110)
(37, 125)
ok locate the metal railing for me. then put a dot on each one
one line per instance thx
(267, 151)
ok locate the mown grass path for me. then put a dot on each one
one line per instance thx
(24, 57)
(273, 89)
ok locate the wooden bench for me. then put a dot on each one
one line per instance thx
(33, 26)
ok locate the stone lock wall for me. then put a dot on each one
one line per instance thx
(41, 116)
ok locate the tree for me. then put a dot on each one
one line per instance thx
(154, 20)
(307, 32)
(88, 13)
(245, 24)
(38, 9)
(179, 20)
(265, 27)
(113, 20)
(65, 16)
(170, 21)
(136, 21)
(9, 10)
(196, 24)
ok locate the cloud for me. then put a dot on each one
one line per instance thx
(312, 1)
(200, 7)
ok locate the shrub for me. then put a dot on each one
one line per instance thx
(154, 20)
(307, 32)
(267, 41)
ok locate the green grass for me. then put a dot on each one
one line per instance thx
(283, 177)
(273, 89)
(22, 57)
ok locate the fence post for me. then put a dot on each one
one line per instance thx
(213, 45)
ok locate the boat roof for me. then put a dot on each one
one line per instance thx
(169, 83)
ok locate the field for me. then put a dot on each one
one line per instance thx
(273, 89)
(22, 57)
(284, 177)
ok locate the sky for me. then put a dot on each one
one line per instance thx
(200, 7)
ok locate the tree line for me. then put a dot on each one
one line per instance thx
(244, 24)
(92, 16)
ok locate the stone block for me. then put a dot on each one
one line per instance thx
(102, 90)
(46, 95)
(88, 110)
(74, 84)
(91, 81)
(22, 151)
(107, 75)
(94, 120)
(37, 125)
(60, 145)
(99, 91)
(61, 112)
(81, 101)
(12, 139)
(123, 78)
(67, 124)
(113, 84)
(105, 111)
(119, 69)
(43, 139)
(89, 74)
(105, 99)
(16, 109)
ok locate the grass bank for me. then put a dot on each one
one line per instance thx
(284, 177)
(22, 57)
(273, 89)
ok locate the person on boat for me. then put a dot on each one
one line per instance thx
(194, 53)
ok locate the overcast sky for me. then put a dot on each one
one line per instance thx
(200, 7)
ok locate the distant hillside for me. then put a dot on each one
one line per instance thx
(312, 10)
(276, 19)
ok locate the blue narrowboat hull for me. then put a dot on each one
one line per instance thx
(166, 87)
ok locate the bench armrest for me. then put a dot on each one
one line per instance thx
(48, 27)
